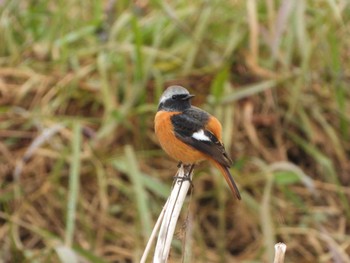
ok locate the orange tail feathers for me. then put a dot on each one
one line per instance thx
(229, 179)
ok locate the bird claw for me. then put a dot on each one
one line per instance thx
(187, 176)
(182, 178)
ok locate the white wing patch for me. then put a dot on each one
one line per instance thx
(199, 135)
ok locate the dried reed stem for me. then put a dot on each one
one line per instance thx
(169, 217)
(280, 250)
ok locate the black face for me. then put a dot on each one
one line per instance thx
(178, 102)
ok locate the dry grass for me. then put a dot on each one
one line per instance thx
(81, 173)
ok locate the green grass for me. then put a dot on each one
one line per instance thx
(91, 73)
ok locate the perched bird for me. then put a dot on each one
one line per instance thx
(189, 134)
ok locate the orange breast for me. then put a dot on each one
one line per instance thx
(170, 144)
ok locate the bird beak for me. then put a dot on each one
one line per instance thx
(189, 96)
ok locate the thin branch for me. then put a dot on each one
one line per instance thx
(154, 233)
(169, 216)
(280, 250)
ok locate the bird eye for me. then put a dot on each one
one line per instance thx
(174, 97)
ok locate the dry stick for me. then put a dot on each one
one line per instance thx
(280, 250)
(169, 217)
(176, 200)
(153, 234)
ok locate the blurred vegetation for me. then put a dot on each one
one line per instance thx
(82, 176)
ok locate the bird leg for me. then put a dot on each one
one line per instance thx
(179, 164)
(187, 177)
(189, 169)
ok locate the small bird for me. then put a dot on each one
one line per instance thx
(189, 134)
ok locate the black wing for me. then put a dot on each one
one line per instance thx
(192, 121)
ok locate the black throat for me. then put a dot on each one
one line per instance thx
(174, 105)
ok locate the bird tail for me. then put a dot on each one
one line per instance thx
(229, 179)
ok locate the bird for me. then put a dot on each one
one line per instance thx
(189, 134)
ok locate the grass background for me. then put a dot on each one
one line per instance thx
(82, 176)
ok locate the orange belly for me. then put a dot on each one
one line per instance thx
(170, 144)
